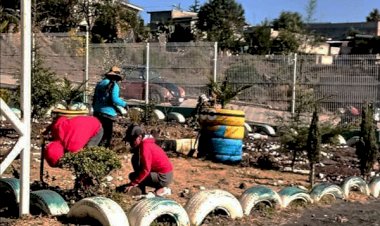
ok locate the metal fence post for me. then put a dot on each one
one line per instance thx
(85, 99)
(147, 75)
(215, 59)
(294, 83)
(26, 37)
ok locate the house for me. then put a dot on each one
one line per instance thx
(170, 21)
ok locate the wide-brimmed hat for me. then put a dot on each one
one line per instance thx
(114, 73)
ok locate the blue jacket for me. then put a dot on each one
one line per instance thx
(105, 102)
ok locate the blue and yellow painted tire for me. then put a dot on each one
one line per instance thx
(223, 131)
(212, 116)
(227, 158)
(229, 147)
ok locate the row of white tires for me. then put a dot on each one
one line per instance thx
(197, 208)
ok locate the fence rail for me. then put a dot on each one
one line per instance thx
(339, 81)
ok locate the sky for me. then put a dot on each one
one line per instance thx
(256, 11)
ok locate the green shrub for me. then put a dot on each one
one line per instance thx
(5, 95)
(90, 166)
(45, 90)
(366, 147)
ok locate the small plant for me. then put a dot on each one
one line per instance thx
(313, 145)
(366, 147)
(149, 117)
(71, 93)
(223, 92)
(90, 166)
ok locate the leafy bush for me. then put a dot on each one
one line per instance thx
(45, 90)
(90, 166)
(5, 95)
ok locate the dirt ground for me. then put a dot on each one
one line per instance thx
(192, 174)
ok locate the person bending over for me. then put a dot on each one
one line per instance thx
(71, 135)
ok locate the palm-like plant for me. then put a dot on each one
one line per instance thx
(71, 93)
(7, 17)
(224, 92)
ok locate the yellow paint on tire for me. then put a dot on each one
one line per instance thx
(70, 113)
(227, 117)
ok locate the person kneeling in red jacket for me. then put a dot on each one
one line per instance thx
(71, 135)
(150, 163)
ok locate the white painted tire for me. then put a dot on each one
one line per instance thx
(103, 209)
(247, 127)
(159, 114)
(257, 194)
(78, 107)
(147, 210)
(374, 187)
(204, 202)
(48, 202)
(354, 182)
(323, 189)
(290, 194)
(267, 129)
(178, 117)
(10, 186)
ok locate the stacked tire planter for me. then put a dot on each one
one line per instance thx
(222, 133)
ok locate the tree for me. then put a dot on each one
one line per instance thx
(286, 42)
(113, 21)
(310, 10)
(290, 21)
(45, 91)
(59, 13)
(260, 41)
(195, 7)
(313, 145)
(222, 21)
(366, 147)
(374, 15)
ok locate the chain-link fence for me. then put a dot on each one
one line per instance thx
(276, 80)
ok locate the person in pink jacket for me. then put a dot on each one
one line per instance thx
(150, 163)
(71, 135)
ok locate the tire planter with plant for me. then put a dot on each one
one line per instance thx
(222, 131)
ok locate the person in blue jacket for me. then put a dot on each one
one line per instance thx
(105, 101)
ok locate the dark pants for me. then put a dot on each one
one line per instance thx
(95, 140)
(107, 124)
(154, 179)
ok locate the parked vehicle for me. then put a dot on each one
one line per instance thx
(160, 91)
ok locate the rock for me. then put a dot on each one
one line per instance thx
(341, 219)
(109, 178)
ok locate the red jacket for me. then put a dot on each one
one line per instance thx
(74, 133)
(152, 159)
(70, 134)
